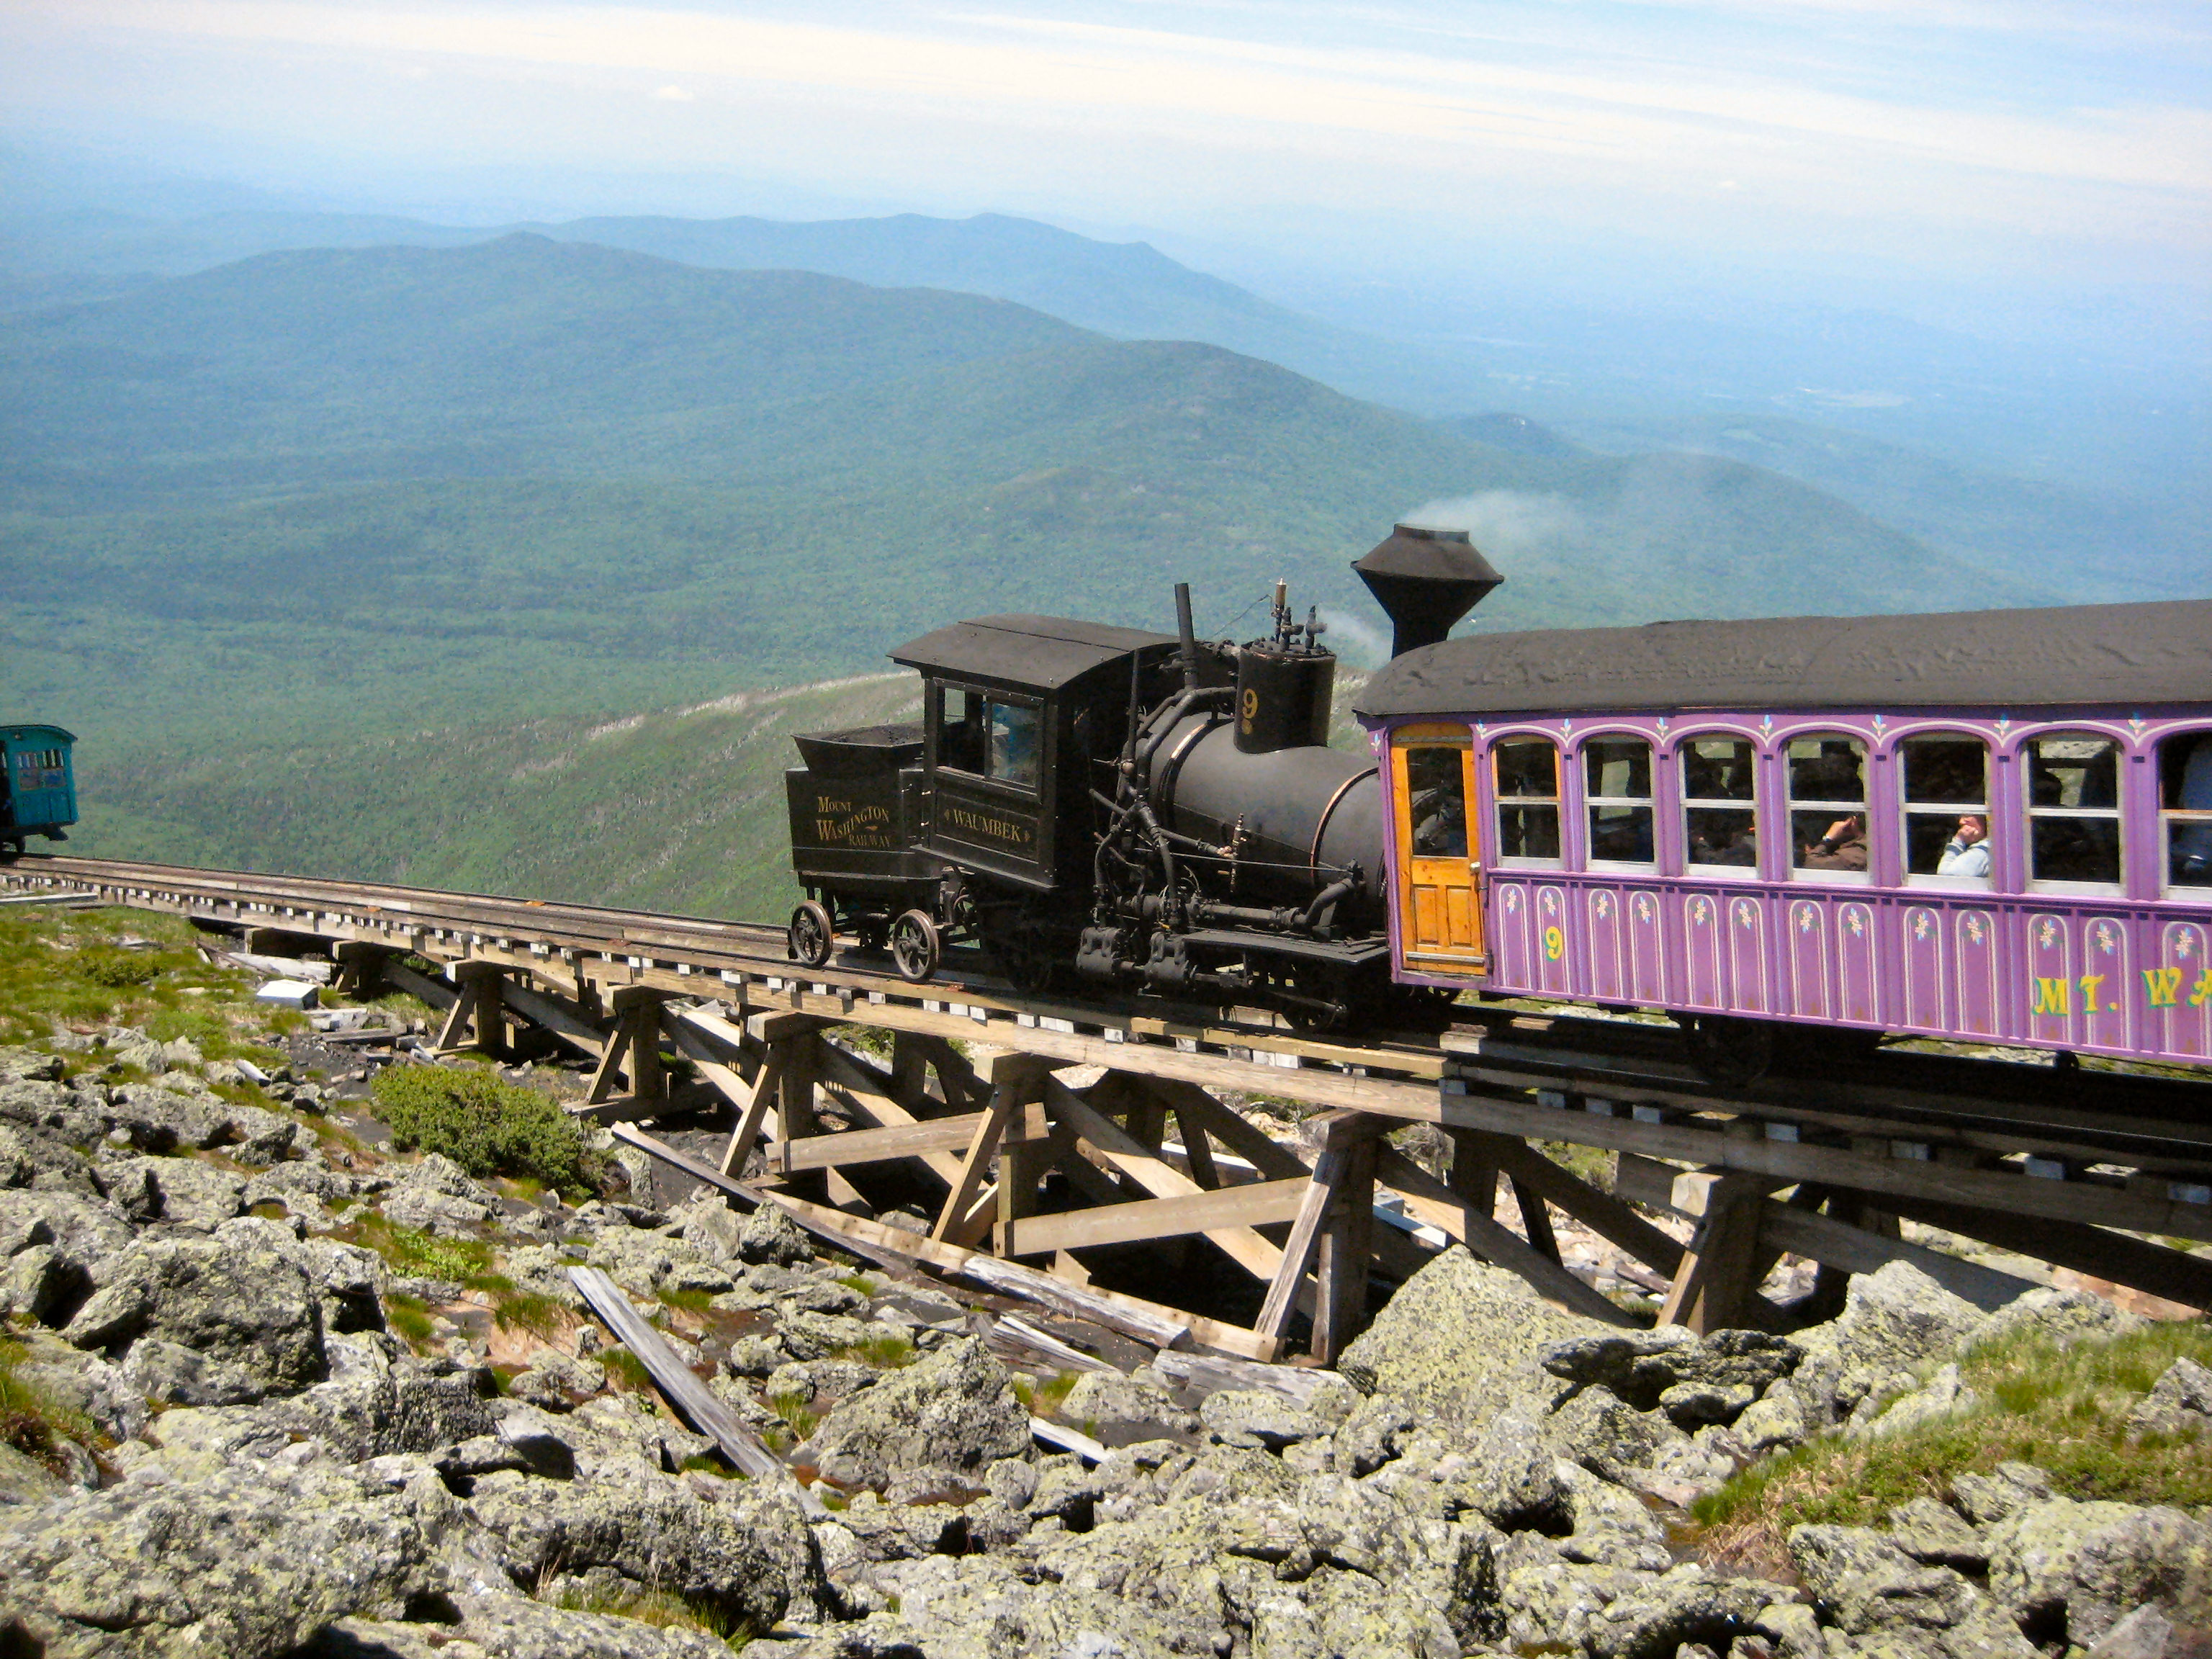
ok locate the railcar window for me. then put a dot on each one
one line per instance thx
(2184, 766)
(1719, 818)
(1616, 790)
(1437, 789)
(1527, 770)
(960, 729)
(1947, 807)
(1827, 804)
(1013, 743)
(2074, 810)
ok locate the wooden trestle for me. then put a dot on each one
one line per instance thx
(1037, 1177)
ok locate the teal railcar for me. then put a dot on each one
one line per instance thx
(38, 790)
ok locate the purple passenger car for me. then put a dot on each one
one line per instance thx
(1990, 826)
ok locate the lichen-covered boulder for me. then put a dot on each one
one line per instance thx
(245, 1565)
(2071, 1570)
(242, 1303)
(1872, 1588)
(1893, 1320)
(2180, 1402)
(955, 1410)
(1932, 1531)
(769, 1235)
(1257, 1417)
(1458, 1337)
(1121, 1410)
(184, 1192)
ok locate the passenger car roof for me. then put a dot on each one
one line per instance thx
(1041, 653)
(2158, 652)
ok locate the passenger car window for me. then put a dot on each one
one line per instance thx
(2184, 767)
(960, 729)
(1946, 785)
(2074, 810)
(1617, 790)
(1527, 772)
(1720, 821)
(1437, 803)
(1827, 804)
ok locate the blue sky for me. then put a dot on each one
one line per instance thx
(1967, 140)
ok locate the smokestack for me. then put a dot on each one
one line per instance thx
(1425, 581)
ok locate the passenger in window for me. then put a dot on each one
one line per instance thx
(1844, 847)
(1740, 849)
(1440, 817)
(1967, 853)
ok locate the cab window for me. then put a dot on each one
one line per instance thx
(1617, 792)
(1437, 803)
(1014, 733)
(1720, 813)
(2074, 810)
(1946, 786)
(1528, 775)
(2184, 773)
(960, 729)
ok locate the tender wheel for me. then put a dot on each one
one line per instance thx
(915, 949)
(811, 933)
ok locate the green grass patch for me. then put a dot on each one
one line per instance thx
(487, 1126)
(1043, 1399)
(887, 1353)
(791, 1405)
(70, 966)
(664, 1608)
(415, 1254)
(31, 1422)
(697, 1302)
(410, 1317)
(624, 1368)
(2063, 1409)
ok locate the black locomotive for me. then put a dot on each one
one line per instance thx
(1121, 808)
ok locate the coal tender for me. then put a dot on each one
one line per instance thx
(1104, 809)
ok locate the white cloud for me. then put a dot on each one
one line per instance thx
(675, 95)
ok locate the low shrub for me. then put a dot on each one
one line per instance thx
(486, 1124)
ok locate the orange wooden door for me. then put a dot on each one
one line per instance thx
(1439, 887)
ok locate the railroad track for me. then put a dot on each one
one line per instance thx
(2033, 1157)
(2024, 1102)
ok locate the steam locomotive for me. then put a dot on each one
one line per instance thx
(1105, 806)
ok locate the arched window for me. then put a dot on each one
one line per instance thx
(1617, 792)
(1527, 770)
(1828, 806)
(1948, 828)
(2073, 810)
(1720, 813)
(2184, 774)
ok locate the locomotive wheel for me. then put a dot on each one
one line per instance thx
(811, 933)
(916, 948)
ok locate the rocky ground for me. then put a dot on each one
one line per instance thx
(268, 1392)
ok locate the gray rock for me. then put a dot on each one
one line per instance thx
(1932, 1531)
(1943, 1394)
(754, 1355)
(2052, 1314)
(635, 1529)
(1609, 1527)
(1656, 1616)
(246, 1565)
(512, 1627)
(955, 1410)
(1121, 1410)
(1642, 1366)
(1252, 1417)
(1377, 1432)
(1454, 1334)
(1613, 1439)
(770, 1234)
(241, 1301)
(1871, 1588)
(1893, 1320)
(556, 1381)
(1513, 1479)
(182, 1191)
(1692, 1404)
(2144, 1634)
(2076, 1569)
(805, 1336)
(1989, 1498)
(809, 1379)
(2180, 1402)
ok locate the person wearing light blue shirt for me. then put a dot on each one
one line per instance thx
(1968, 853)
